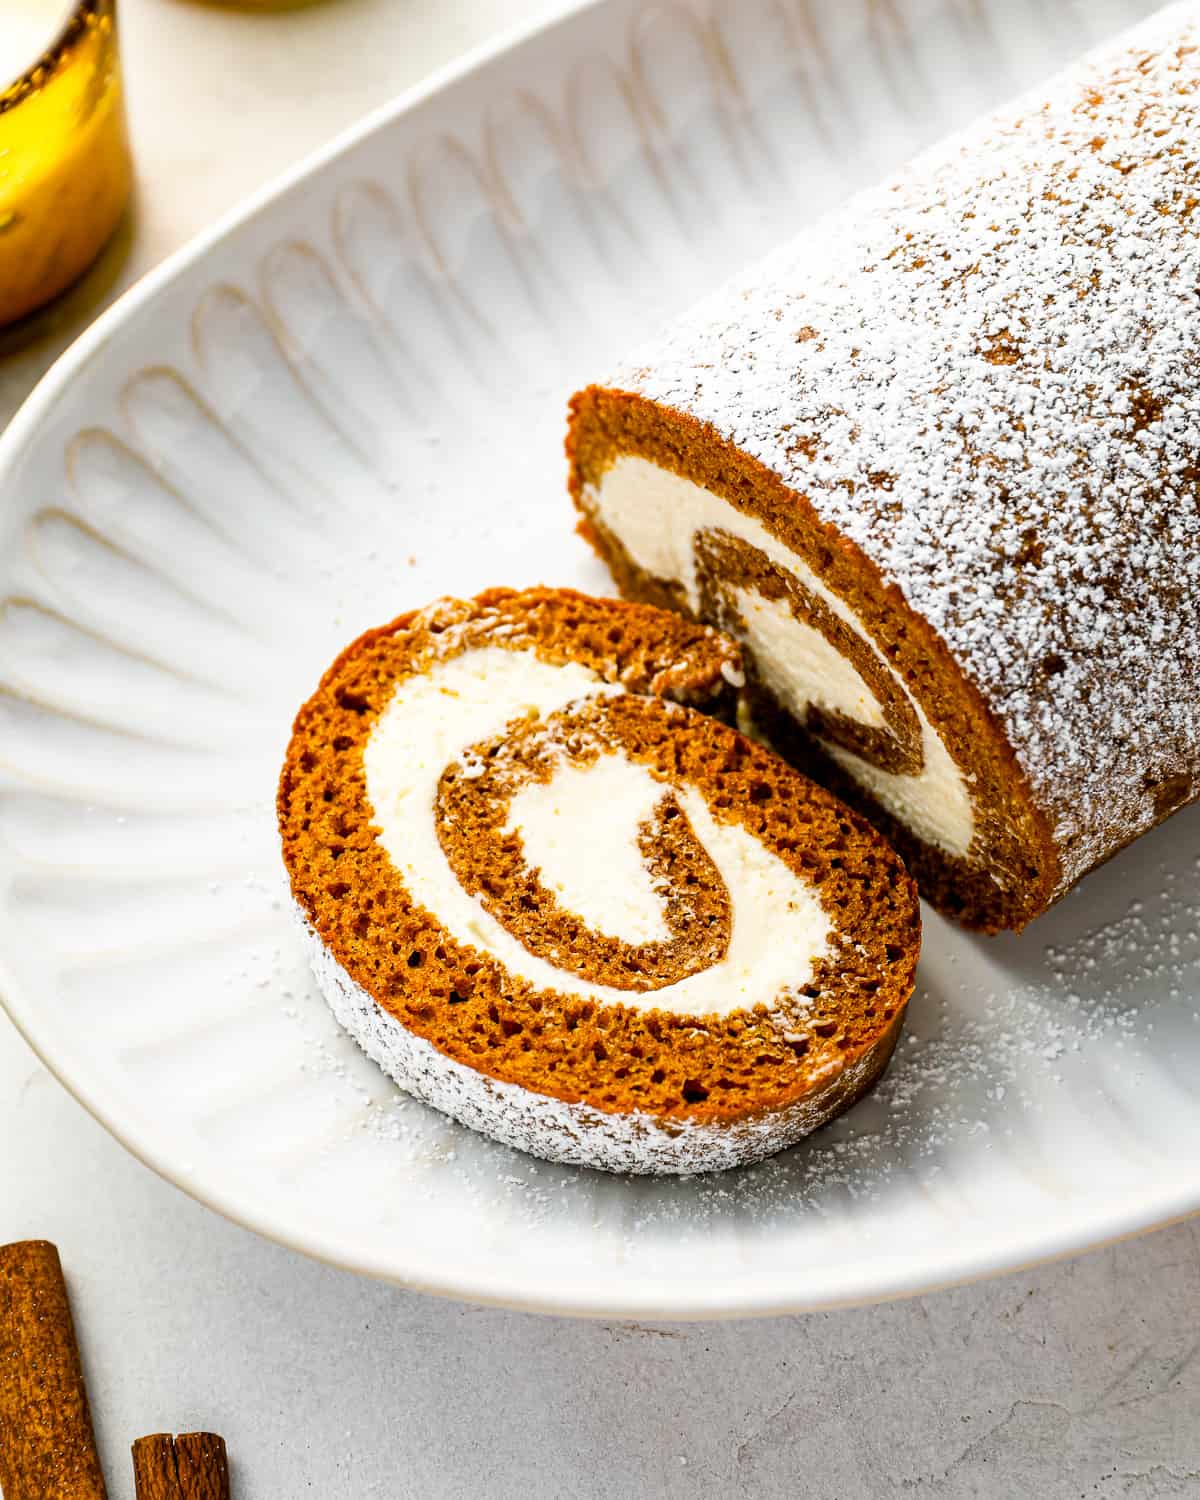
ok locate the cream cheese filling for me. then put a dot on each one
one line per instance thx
(656, 515)
(800, 666)
(580, 831)
(779, 927)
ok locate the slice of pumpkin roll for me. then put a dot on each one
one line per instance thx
(553, 895)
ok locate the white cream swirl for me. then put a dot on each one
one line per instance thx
(657, 515)
(779, 927)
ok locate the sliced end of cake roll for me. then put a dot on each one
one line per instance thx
(554, 895)
(936, 463)
(843, 678)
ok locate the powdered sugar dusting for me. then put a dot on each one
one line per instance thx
(575, 1134)
(1009, 331)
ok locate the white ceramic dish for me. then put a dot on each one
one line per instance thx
(349, 398)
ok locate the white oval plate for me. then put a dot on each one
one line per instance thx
(348, 399)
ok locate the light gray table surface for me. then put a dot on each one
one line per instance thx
(1081, 1379)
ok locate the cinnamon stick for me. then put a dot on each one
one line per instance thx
(47, 1447)
(192, 1466)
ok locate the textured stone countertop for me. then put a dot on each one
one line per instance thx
(1081, 1379)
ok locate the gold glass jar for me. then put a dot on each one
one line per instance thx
(65, 170)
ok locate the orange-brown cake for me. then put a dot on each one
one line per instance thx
(554, 896)
(936, 464)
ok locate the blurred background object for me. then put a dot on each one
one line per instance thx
(265, 5)
(65, 170)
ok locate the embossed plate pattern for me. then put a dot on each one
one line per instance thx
(349, 398)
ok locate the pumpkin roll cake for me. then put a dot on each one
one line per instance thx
(936, 465)
(552, 893)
